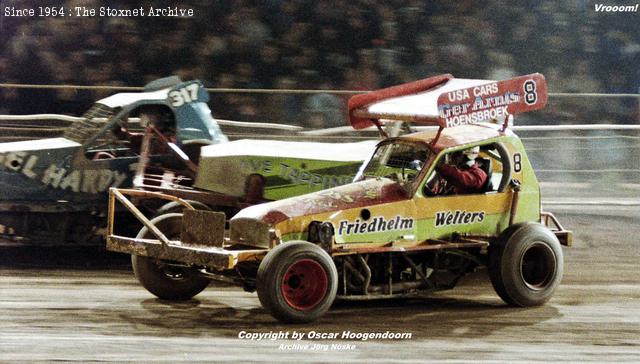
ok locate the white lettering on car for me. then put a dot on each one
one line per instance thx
(377, 224)
(184, 95)
(87, 181)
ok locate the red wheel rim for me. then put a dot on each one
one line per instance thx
(304, 284)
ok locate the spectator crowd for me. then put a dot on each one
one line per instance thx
(321, 44)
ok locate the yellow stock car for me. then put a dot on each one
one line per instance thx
(394, 231)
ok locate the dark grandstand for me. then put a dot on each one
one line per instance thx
(339, 44)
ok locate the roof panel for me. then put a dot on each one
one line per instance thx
(414, 101)
(423, 105)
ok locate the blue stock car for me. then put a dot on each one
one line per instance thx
(53, 190)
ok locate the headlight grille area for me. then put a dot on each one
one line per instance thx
(321, 233)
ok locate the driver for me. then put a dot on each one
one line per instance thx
(462, 172)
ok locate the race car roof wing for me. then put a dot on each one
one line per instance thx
(447, 101)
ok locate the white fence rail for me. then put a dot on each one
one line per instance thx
(604, 156)
(276, 91)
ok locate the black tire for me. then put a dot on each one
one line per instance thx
(286, 293)
(526, 265)
(495, 256)
(166, 281)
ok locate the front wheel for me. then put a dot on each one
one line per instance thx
(164, 279)
(526, 265)
(297, 282)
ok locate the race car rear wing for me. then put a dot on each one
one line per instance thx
(447, 102)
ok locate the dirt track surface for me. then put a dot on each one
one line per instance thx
(92, 309)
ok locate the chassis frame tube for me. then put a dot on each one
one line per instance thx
(119, 194)
(217, 258)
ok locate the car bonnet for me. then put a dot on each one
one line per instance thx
(358, 194)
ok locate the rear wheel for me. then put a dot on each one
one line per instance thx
(177, 207)
(164, 279)
(526, 265)
(297, 282)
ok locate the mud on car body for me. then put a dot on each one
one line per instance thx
(392, 232)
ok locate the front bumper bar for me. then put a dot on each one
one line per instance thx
(215, 258)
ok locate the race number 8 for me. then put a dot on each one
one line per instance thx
(184, 95)
(517, 162)
(530, 94)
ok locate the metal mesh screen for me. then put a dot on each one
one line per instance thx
(93, 120)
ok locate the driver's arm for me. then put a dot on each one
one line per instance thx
(468, 179)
